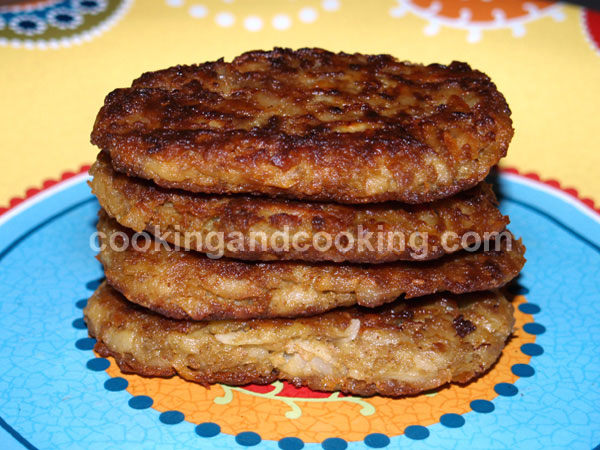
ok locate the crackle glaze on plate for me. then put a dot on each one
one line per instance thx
(56, 393)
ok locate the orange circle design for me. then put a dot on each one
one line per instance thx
(484, 10)
(477, 16)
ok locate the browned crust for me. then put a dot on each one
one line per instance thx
(188, 285)
(140, 205)
(309, 124)
(380, 348)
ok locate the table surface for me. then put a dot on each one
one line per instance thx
(542, 56)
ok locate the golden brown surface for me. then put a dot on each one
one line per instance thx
(140, 205)
(184, 285)
(309, 124)
(402, 348)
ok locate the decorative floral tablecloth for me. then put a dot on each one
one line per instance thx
(58, 59)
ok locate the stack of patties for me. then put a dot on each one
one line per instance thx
(313, 219)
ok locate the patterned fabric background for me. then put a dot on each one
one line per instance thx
(60, 58)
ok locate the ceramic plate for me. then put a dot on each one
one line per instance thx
(544, 391)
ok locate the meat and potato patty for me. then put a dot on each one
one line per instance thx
(402, 348)
(140, 205)
(182, 285)
(309, 124)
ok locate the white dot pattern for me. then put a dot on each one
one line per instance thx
(253, 23)
(256, 22)
(330, 5)
(225, 19)
(198, 11)
(175, 3)
(308, 15)
(281, 22)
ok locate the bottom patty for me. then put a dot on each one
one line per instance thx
(398, 349)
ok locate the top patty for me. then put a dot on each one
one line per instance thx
(309, 124)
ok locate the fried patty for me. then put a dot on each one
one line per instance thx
(171, 214)
(402, 348)
(309, 124)
(189, 285)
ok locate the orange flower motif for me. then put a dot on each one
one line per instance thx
(476, 16)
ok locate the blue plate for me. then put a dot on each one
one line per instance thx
(54, 397)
